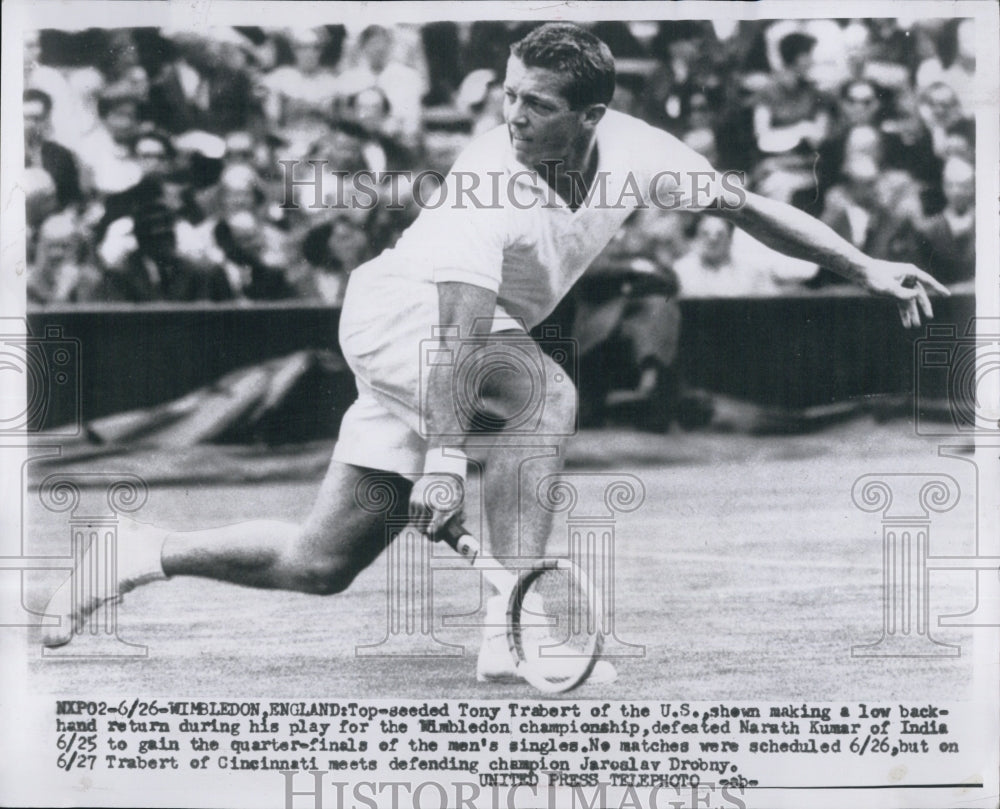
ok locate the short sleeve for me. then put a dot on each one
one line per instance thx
(680, 178)
(464, 224)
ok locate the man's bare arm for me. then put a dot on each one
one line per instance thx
(462, 307)
(796, 234)
(438, 496)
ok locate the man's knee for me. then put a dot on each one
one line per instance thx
(526, 391)
(325, 575)
(319, 568)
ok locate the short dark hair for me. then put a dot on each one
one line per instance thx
(795, 45)
(38, 95)
(569, 49)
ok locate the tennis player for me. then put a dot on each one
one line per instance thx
(569, 172)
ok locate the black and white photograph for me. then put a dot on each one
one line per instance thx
(500, 405)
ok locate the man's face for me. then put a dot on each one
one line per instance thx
(36, 121)
(860, 104)
(716, 239)
(959, 186)
(539, 120)
(802, 65)
(943, 104)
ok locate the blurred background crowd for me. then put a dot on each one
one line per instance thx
(152, 155)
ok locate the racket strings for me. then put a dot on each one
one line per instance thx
(556, 625)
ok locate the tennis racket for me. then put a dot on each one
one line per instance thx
(552, 615)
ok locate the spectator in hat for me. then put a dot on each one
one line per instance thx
(64, 101)
(41, 152)
(940, 110)
(954, 63)
(160, 182)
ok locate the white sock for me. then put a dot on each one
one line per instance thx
(495, 622)
(140, 556)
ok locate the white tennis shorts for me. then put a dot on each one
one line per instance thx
(384, 323)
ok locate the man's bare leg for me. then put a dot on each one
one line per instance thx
(518, 462)
(519, 524)
(337, 540)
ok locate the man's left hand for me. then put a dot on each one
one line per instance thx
(906, 284)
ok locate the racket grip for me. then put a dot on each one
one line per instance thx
(461, 541)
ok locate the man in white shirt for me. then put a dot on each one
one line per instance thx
(567, 173)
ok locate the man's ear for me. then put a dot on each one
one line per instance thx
(593, 114)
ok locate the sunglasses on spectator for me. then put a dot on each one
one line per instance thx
(862, 99)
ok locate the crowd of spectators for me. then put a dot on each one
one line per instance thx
(153, 156)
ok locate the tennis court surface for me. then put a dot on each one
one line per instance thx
(748, 573)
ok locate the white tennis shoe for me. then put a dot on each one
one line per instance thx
(495, 663)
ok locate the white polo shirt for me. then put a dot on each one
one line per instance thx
(496, 224)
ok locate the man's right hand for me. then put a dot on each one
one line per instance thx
(436, 499)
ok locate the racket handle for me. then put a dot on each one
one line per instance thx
(461, 541)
